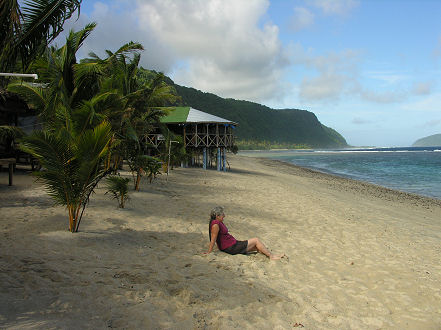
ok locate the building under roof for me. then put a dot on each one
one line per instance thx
(205, 136)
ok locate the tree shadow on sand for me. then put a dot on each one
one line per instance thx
(124, 278)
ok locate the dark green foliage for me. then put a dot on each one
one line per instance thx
(258, 123)
(153, 168)
(140, 165)
(9, 133)
(73, 165)
(119, 188)
(28, 26)
(267, 145)
(173, 146)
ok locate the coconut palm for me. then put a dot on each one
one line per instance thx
(118, 187)
(87, 109)
(139, 103)
(57, 97)
(27, 27)
(73, 165)
(75, 142)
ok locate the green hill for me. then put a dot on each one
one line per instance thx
(262, 126)
(428, 141)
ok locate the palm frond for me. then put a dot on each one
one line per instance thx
(119, 188)
(130, 47)
(42, 22)
(87, 73)
(55, 153)
(33, 94)
(10, 132)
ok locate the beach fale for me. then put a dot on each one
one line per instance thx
(206, 136)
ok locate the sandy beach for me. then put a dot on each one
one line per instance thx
(359, 256)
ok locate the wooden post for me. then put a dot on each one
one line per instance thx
(207, 137)
(224, 159)
(11, 164)
(11, 173)
(196, 135)
(218, 159)
(185, 138)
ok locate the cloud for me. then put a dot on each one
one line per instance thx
(112, 32)
(218, 46)
(432, 123)
(387, 77)
(222, 44)
(335, 7)
(422, 88)
(336, 73)
(382, 97)
(301, 19)
(360, 121)
(429, 103)
(326, 86)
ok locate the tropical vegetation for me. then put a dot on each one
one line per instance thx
(262, 126)
(95, 113)
(27, 27)
(118, 187)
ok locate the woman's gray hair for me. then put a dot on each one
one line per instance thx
(218, 210)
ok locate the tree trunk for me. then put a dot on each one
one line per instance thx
(138, 180)
(71, 219)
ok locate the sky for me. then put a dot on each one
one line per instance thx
(370, 69)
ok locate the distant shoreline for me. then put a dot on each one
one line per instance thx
(432, 194)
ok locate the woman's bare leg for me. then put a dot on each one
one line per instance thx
(254, 244)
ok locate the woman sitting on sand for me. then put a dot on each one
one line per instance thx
(218, 233)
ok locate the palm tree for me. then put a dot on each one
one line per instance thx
(75, 142)
(139, 103)
(27, 28)
(57, 97)
(73, 165)
(118, 187)
(87, 108)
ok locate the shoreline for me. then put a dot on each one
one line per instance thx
(359, 255)
(374, 187)
(348, 176)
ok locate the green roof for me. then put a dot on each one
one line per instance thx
(180, 115)
(176, 115)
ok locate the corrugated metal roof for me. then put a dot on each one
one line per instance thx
(190, 115)
(176, 115)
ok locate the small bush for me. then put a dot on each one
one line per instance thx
(119, 188)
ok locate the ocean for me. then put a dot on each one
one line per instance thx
(415, 170)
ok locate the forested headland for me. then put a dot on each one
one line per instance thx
(428, 141)
(261, 127)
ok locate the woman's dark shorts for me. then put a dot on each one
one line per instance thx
(239, 248)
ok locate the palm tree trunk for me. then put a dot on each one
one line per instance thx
(109, 156)
(77, 217)
(71, 218)
(138, 180)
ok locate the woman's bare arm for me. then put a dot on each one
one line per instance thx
(214, 233)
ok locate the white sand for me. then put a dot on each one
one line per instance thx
(360, 256)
